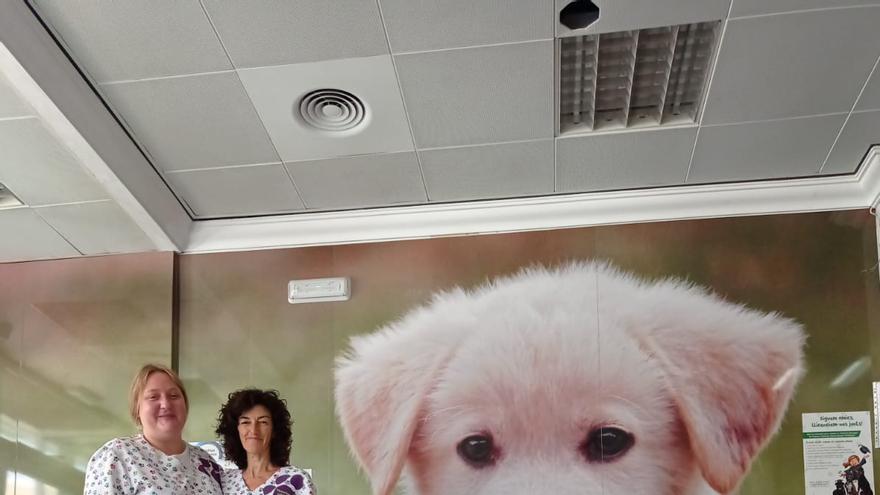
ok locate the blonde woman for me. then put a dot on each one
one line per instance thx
(157, 461)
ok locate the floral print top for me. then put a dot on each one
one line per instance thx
(131, 466)
(288, 480)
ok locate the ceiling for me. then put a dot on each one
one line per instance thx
(203, 142)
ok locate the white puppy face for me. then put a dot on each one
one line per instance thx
(543, 384)
(516, 415)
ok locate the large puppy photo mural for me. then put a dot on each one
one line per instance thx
(579, 378)
(576, 380)
(674, 358)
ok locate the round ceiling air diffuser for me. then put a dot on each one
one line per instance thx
(332, 110)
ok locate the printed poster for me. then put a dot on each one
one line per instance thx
(837, 453)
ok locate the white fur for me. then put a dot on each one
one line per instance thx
(541, 358)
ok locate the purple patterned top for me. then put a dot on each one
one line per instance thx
(288, 480)
(132, 466)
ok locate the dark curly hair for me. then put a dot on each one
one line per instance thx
(242, 401)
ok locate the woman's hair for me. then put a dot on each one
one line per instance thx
(140, 382)
(242, 401)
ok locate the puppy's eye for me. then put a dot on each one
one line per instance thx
(606, 444)
(477, 450)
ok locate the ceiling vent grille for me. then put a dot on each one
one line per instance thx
(332, 110)
(7, 199)
(641, 78)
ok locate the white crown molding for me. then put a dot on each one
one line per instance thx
(43, 76)
(857, 191)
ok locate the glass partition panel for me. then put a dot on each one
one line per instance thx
(76, 331)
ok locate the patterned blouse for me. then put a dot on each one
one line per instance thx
(288, 480)
(131, 466)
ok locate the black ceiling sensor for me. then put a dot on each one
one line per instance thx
(579, 14)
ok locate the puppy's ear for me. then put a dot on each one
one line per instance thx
(731, 372)
(381, 388)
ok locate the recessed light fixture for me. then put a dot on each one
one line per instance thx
(640, 78)
(7, 199)
(332, 110)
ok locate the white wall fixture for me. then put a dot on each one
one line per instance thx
(318, 290)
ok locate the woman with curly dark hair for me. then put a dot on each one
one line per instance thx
(255, 428)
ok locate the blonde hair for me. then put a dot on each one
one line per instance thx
(140, 382)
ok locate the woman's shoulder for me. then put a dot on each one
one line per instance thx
(199, 452)
(231, 474)
(298, 478)
(119, 445)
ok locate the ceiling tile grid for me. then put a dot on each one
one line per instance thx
(132, 39)
(358, 181)
(489, 171)
(862, 130)
(763, 150)
(39, 170)
(745, 8)
(652, 158)
(460, 97)
(193, 122)
(65, 210)
(33, 239)
(426, 25)
(95, 228)
(279, 32)
(792, 65)
(870, 97)
(248, 190)
(479, 95)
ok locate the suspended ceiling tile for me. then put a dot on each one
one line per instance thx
(789, 65)
(359, 181)
(861, 131)
(132, 39)
(870, 97)
(491, 171)
(763, 150)
(193, 122)
(11, 105)
(479, 95)
(237, 191)
(623, 15)
(277, 32)
(97, 228)
(38, 170)
(624, 160)
(761, 7)
(416, 25)
(33, 238)
(277, 92)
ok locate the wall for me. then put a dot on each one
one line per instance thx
(72, 332)
(237, 329)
